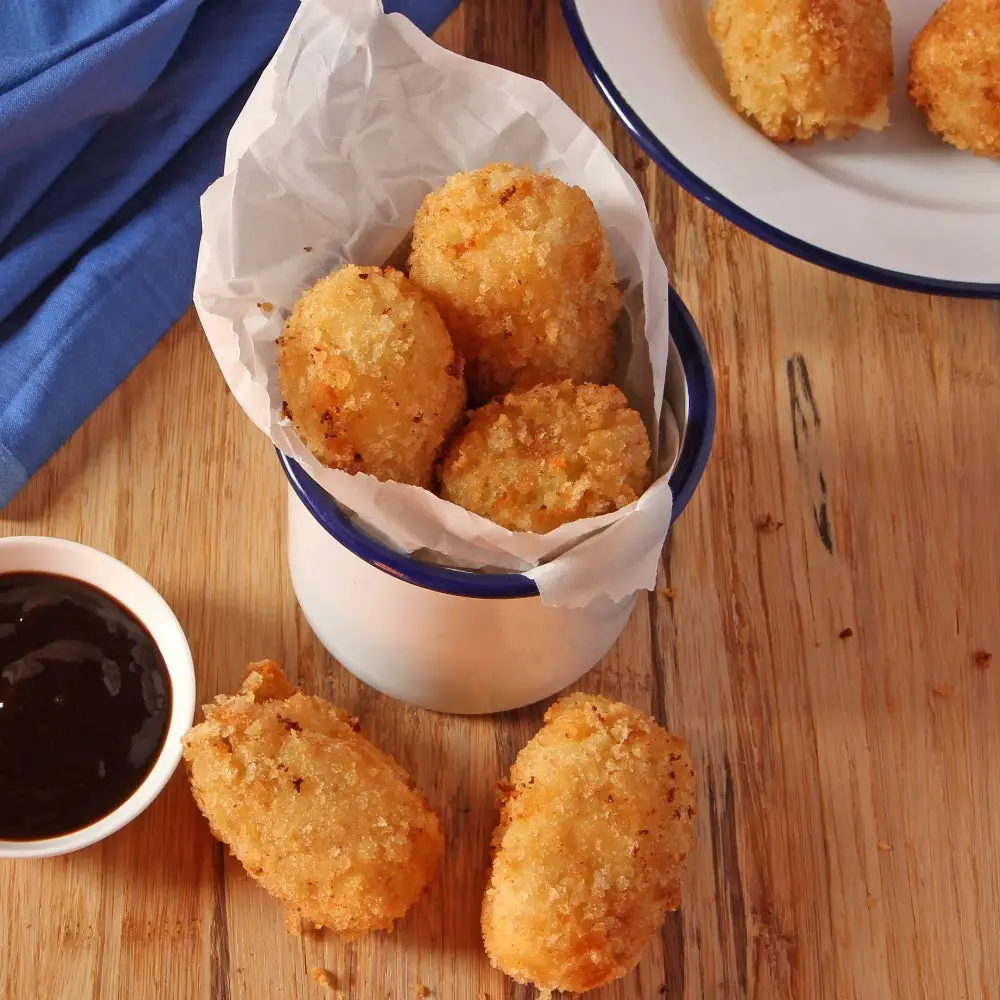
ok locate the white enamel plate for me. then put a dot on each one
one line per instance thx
(899, 207)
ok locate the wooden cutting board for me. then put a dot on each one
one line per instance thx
(822, 668)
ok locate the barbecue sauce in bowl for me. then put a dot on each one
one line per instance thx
(84, 705)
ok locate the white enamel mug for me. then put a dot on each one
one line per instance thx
(463, 642)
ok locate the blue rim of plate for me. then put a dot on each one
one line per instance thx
(673, 167)
(687, 473)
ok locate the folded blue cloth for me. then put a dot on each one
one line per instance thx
(114, 118)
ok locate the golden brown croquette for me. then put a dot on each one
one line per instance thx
(369, 375)
(519, 265)
(541, 457)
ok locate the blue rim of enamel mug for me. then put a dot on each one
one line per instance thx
(690, 466)
(706, 194)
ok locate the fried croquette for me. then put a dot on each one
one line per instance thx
(955, 74)
(595, 827)
(520, 267)
(541, 457)
(369, 375)
(806, 68)
(328, 824)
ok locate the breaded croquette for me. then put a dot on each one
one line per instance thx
(595, 827)
(807, 68)
(541, 457)
(955, 74)
(328, 824)
(369, 375)
(519, 265)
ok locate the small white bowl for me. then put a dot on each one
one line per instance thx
(29, 554)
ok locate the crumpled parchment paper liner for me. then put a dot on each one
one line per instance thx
(357, 117)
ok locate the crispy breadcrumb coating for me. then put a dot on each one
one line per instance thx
(955, 74)
(594, 831)
(806, 68)
(519, 265)
(541, 457)
(328, 824)
(369, 375)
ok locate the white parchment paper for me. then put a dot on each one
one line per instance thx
(357, 117)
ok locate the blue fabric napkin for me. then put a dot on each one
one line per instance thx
(113, 120)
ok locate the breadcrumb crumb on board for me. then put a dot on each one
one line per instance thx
(324, 977)
(767, 525)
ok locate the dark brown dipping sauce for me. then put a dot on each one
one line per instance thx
(84, 705)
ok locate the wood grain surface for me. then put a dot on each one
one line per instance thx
(834, 577)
